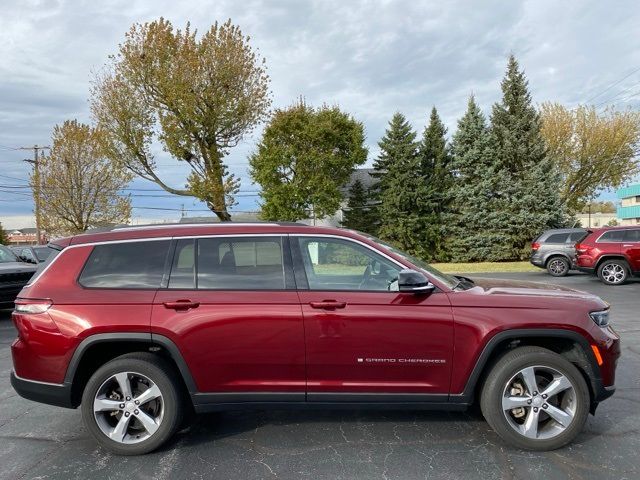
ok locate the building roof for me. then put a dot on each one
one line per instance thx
(362, 174)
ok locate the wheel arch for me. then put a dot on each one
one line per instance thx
(611, 256)
(552, 255)
(567, 343)
(95, 350)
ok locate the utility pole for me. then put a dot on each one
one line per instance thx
(36, 184)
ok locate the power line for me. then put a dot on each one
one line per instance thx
(613, 85)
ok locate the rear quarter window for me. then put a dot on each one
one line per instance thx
(127, 265)
(557, 238)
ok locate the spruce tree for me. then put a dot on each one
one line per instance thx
(526, 182)
(401, 188)
(397, 143)
(360, 214)
(470, 222)
(435, 166)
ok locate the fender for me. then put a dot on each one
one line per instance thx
(467, 396)
(152, 340)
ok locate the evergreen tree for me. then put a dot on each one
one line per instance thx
(526, 181)
(359, 214)
(402, 189)
(397, 143)
(472, 210)
(435, 166)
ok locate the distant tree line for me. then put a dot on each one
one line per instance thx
(498, 183)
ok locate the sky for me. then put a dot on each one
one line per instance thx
(371, 58)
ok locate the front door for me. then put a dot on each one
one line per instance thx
(366, 341)
(232, 310)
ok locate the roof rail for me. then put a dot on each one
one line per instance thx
(203, 224)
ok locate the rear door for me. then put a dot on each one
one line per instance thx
(631, 248)
(231, 308)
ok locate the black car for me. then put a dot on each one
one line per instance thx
(29, 254)
(14, 274)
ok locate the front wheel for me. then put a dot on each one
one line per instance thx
(132, 404)
(535, 399)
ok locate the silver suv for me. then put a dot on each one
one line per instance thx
(555, 250)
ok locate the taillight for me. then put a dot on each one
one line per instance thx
(582, 248)
(535, 246)
(36, 305)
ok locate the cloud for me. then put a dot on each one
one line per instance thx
(370, 57)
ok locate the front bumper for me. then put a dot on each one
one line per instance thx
(49, 393)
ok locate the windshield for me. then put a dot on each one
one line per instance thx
(448, 280)
(7, 255)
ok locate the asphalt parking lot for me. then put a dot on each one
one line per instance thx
(38, 441)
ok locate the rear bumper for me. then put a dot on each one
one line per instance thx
(49, 393)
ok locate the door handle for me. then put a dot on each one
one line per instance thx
(328, 304)
(181, 305)
(628, 245)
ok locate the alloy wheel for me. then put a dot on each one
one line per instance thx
(557, 266)
(128, 407)
(539, 402)
(613, 273)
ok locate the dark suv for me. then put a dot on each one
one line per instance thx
(139, 326)
(612, 253)
(14, 274)
(555, 250)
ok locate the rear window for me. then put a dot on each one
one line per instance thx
(242, 263)
(612, 236)
(577, 236)
(130, 265)
(557, 238)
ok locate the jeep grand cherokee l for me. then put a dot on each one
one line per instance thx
(139, 326)
(611, 253)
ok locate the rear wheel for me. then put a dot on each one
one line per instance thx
(558, 266)
(613, 272)
(132, 404)
(535, 399)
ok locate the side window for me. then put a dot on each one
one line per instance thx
(632, 236)
(126, 265)
(183, 267)
(240, 263)
(557, 238)
(335, 264)
(612, 236)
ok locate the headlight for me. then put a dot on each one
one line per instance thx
(601, 318)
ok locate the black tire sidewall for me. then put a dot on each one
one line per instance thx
(566, 270)
(505, 369)
(171, 399)
(624, 266)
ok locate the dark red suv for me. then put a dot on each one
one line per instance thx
(140, 326)
(612, 253)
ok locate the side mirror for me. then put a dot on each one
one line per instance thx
(411, 281)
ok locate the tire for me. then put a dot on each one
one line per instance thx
(136, 429)
(558, 266)
(506, 383)
(613, 272)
